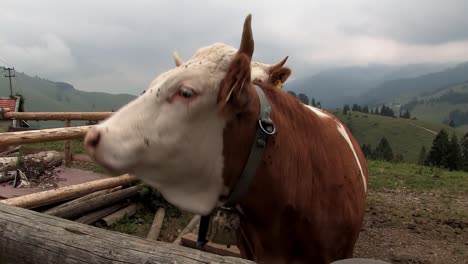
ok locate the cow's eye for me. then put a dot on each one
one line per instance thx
(186, 92)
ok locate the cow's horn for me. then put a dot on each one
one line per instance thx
(247, 42)
(178, 61)
(278, 65)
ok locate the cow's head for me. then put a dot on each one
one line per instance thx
(172, 135)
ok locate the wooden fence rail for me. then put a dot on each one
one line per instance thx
(43, 135)
(31, 237)
(43, 116)
(15, 138)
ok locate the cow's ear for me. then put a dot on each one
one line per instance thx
(234, 90)
(279, 76)
(233, 94)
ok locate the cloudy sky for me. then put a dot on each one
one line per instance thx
(120, 46)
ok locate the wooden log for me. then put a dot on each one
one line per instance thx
(37, 162)
(8, 163)
(114, 217)
(68, 154)
(190, 240)
(31, 237)
(43, 135)
(94, 216)
(191, 225)
(11, 150)
(155, 229)
(7, 178)
(94, 116)
(68, 192)
(96, 203)
(81, 199)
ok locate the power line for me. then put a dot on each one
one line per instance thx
(9, 77)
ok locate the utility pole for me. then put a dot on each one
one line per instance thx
(9, 77)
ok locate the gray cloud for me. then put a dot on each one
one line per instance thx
(120, 46)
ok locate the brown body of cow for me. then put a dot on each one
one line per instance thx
(306, 204)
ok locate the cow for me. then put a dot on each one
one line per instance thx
(191, 134)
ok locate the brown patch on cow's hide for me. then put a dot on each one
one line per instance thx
(297, 188)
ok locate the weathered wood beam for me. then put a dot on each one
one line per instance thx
(120, 214)
(43, 135)
(190, 240)
(31, 237)
(81, 199)
(155, 229)
(191, 225)
(96, 203)
(68, 192)
(94, 116)
(94, 216)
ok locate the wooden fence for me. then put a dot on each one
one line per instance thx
(54, 134)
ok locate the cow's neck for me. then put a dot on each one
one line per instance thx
(239, 141)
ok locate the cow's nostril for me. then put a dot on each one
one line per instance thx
(92, 139)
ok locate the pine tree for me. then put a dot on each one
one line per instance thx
(422, 156)
(304, 98)
(365, 109)
(440, 150)
(345, 109)
(313, 102)
(383, 151)
(454, 157)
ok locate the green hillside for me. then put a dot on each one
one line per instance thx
(44, 95)
(405, 136)
(439, 106)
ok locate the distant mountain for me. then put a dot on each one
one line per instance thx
(44, 95)
(338, 86)
(403, 90)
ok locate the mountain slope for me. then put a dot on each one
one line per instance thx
(403, 90)
(338, 86)
(45, 95)
(442, 105)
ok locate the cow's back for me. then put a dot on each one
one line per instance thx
(308, 200)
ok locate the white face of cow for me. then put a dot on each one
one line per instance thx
(172, 136)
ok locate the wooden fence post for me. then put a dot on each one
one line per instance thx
(68, 154)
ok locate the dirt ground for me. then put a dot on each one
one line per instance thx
(410, 227)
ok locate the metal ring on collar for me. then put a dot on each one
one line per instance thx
(268, 122)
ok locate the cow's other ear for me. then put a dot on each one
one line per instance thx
(177, 60)
(278, 73)
(279, 76)
(234, 90)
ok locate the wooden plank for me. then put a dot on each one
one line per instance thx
(94, 216)
(31, 237)
(155, 229)
(96, 203)
(190, 240)
(94, 116)
(43, 135)
(81, 199)
(69, 192)
(116, 216)
(189, 228)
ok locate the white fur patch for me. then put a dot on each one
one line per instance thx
(342, 131)
(318, 111)
(346, 137)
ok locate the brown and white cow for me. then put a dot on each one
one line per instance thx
(189, 136)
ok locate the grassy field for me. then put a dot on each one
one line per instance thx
(386, 175)
(406, 137)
